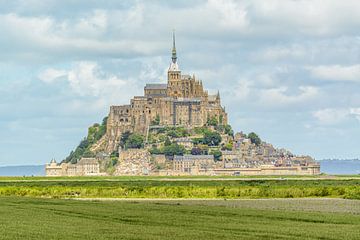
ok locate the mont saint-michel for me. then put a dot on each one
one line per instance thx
(176, 128)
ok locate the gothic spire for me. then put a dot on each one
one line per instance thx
(174, 49)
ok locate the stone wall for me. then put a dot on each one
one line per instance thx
(134, 162)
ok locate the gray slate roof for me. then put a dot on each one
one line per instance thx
(188, 157)
(151, 86)
(84, 161)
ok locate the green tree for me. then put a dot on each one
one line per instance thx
(217, 154)
(228, 146)
(104, 121)
(155, 150)
(173, 133)
(254, 138)
(135, 141)
(221, 119)
(182, 132)
(212, 138)
(124, 137)
(201, 130)
(174, 149)
(228, 130)
(212, 121)
(167, 142)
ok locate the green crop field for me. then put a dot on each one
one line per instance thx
(29, 218)
(180, 188)
(179, 208)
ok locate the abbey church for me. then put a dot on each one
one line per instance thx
(182, 101)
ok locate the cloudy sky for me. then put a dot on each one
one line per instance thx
(287, 70)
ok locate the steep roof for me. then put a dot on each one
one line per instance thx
(188, 157)
(151, 86)
(212, 98)
(84, 161)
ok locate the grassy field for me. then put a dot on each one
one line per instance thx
(27, 218)
(128, 187)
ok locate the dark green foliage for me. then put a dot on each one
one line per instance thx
(212, 121)
(217, 154)
(225, 129)
(173, 134)
(84, 144)
(167, 142)
(114, 154)
(227, 146)
(134, 141)
(174, 149)
(197, 141)
(113, 161)
(124, 137)
(95, 132)
(221, 119)
(201, 130)
(88, 154)
(155, 150)
(196, 151)
(254, 138)
(212, 138)
(176, 132)
(228, 130)
(104, 121)
(219, 128)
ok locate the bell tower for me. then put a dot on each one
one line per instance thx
(174, 73)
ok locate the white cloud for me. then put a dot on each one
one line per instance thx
(336, 72)
(280, 96)
(333, 116)
(92, 25)
(85, 79)
(45, 36)
(129, 31)
(275, 53)
(51, 74)
(243, 89)
(231, 14)
(330, 116)
(317, 17)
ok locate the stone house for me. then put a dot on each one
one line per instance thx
(54, 169)
(193, 164)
